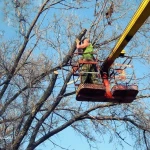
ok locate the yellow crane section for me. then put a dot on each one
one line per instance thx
(140, 16)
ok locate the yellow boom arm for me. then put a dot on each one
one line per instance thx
(140, 16)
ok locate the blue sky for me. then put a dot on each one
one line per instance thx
(67, 138)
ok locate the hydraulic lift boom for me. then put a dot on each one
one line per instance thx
(136, 22)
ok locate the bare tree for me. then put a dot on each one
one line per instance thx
(36, 102)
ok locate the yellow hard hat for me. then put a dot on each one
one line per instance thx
(123, 51)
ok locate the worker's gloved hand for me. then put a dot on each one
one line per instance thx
(77, 41)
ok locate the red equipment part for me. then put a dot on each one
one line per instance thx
(102, 91)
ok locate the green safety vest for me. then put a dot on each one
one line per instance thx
(88, 52)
